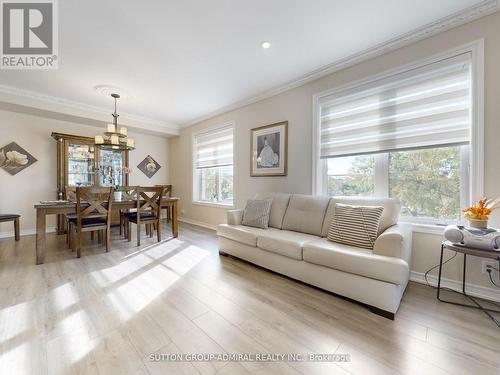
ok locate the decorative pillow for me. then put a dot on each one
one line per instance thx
(257, 212)
(355, 225)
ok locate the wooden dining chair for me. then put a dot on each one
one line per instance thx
(167, 206)
(128, 194)
(148, 212)
(70, 195)
(15, 218)
(93, 213)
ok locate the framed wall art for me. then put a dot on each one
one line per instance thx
(14, 158)
(268, 150)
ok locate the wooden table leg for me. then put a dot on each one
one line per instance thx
(175, 223)
(40, 236)
(16, 229)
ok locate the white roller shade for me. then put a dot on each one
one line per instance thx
(214, 148)
(425, 107)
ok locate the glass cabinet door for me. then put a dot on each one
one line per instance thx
(111, 163)
(81, 161)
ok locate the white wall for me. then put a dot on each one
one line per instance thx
(38, 182)
(296, 107)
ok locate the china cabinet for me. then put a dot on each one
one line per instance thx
(81, 163)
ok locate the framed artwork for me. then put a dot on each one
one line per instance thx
(268, 150)
(149, 166)
(14, 158)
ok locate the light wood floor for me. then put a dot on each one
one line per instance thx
(107, 312)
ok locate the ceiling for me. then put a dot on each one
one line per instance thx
(182, 60)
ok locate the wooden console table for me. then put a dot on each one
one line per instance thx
(42, 210)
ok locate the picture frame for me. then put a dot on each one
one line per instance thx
(14, 158)
(269, 150)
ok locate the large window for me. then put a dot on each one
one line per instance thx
(407, 135)
(213, 166)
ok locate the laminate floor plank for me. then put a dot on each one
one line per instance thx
(107, 313)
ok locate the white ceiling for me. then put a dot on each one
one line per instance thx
(182, 60)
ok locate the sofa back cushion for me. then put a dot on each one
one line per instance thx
(389, 217)
(306, 213)
(278, 207)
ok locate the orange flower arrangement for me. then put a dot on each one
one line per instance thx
(482, 209)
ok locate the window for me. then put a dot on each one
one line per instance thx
(407, 135)
(213, 166)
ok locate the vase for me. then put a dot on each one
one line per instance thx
(118, 195)
(479, 224)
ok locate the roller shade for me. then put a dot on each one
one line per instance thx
(425, 107)
(214, 148)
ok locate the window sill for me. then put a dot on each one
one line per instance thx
(425, 228)
(212, 204)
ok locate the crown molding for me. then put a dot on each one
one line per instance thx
(462, 17)
(37, 100)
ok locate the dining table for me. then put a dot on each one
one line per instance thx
(64, 207)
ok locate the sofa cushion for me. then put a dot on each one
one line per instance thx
(240, 233)
(284, 242)
(355, 225)
(305, 213)
(278, 207)
(356, 260)
(389, 217)
(256, 213)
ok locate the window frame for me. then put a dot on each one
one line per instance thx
(475, 163)
(197, 182)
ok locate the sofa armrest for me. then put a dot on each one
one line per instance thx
(395, 242)
(234, 217)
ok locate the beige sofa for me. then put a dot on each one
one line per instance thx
(295, 245)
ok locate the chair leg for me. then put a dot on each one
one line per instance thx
(67, 233)
(16, 229)
(108, 239)
(78, 243)
(138, 233)
(70, 236)
(158, 230)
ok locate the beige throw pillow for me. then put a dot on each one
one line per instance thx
(257, 212)
(355, 225)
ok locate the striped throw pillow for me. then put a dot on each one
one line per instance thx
(355, 225)
(257, 212)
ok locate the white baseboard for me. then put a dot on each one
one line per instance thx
(492, 294)
(198, 223)
(26, 232)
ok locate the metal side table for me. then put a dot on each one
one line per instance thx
(491, 254)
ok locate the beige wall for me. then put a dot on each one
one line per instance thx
(296, 107)
(38, 182)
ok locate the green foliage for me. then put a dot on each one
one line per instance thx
(426, 181)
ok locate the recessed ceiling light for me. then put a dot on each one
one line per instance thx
(266, 45)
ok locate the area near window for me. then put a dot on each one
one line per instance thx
(213, 166)
(407, 135)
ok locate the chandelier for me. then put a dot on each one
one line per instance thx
(115, 138)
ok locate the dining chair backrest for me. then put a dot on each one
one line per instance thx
(70, 192)
(93, 202)
(129, 193)
(148, 199)
(167, 191)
